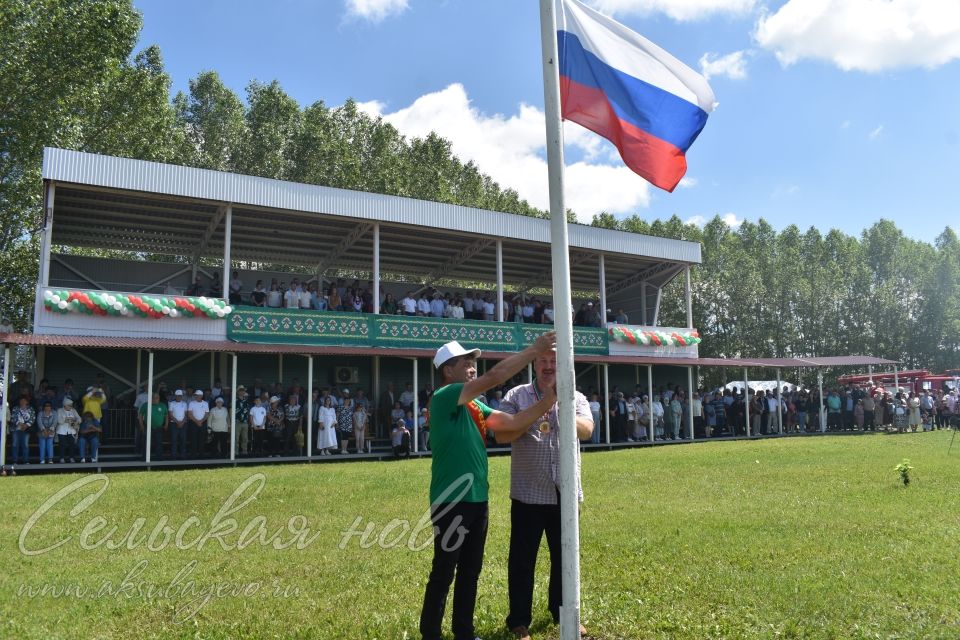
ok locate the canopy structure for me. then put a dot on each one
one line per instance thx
(133, 205)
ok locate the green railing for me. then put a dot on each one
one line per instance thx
(300, 326)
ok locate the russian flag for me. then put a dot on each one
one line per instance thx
(623, 87)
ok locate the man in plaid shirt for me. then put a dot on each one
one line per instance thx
(535, 492)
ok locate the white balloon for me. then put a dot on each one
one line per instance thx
(55, 299)
(165, 310)
(228, 309)
(174, 313)
(220, 313)
(62, 304)
(47, 294)
(117, 306)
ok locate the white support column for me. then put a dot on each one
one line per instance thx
(529, 373)
(779, 405)
(746, 398)
(822, 408)
(689, 293)
(376, 267)
(309, 420)
(500, 309)
(606, 400)
(43, 279)
(47, 236)
(233, 408)
(651, 429)
(227, 237)
(690, 400)
(416, 408)
(137, 390)
(4, 411)
(870, 373)
(643, 303)
(656, 307)
(603, 292)
(896, 379)
(148, 436)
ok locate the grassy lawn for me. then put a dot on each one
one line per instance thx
(789, 538)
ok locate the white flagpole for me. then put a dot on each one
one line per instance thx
(569, 522)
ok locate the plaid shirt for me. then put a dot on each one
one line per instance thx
(535, 459)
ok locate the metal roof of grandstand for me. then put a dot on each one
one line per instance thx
(167, 344)
(134, 205)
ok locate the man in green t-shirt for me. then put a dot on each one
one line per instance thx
(158, 424)
(458, 486)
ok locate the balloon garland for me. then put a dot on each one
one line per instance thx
(103, 303)
(620, 333)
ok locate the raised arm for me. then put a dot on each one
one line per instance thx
(507, 368)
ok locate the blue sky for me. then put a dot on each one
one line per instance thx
(833, 113)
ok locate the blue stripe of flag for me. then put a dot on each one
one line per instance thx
(652, 109)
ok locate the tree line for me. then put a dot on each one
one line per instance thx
(70, 77)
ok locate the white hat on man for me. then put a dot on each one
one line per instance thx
(451, 350)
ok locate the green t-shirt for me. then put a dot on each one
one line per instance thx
(458, 440)
(159, 415)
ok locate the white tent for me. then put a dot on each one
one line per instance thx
(759, 385)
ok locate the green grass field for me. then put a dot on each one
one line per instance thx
(787, 538)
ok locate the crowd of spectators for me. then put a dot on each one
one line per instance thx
(68, 423)
(425, 302)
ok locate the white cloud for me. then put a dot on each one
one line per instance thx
(676, 9)
(730, 218)
(375, 10)
(733, 65)
(687, 183)
(866, 35)
(873, 135)
(511, 150)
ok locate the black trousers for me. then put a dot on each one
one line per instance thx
(197, 439)
(460, 533)
(528, 523)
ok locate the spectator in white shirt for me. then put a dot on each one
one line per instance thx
(409, 304)
(291, 298)
(197, 410)
(274, 296)
(436, 306)
(406, 398)
(423, 305)
(527, 311)
(258, 424)
(488, 308)
(178, 426)
(220, 426)
(548, 313)
(307, 295)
